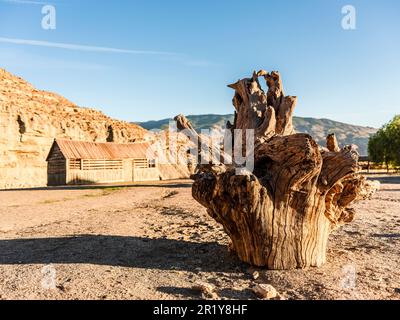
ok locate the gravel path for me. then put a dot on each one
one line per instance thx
(153, 241)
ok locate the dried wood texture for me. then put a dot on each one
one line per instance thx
(280, 215)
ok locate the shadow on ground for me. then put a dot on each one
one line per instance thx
(135, 252)
(189, 293)
(111, 186)
(387, 235)
(388, 179)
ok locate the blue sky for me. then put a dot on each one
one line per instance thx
(176, 56)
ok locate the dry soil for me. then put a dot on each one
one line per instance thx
(153, 241)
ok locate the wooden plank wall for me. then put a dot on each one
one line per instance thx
(149, 174)
(94, 176)
(56, 168)
(76, 172)
(128, 170)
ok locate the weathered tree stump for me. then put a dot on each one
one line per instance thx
(280, 215)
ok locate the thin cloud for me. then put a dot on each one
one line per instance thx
(201, 63)
(25, 2)
(77, 47)
(170, 56)
(12, 59)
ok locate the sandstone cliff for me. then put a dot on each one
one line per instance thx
(30, 119)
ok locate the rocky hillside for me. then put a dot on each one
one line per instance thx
(30, 119)
(318, 128)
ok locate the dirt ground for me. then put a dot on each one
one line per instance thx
(153, 241)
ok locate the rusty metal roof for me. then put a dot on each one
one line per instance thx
(101, 151)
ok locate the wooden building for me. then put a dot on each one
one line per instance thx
(76, 162)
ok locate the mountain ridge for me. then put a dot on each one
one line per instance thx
(319, 128)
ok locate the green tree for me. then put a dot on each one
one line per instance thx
(384, 146)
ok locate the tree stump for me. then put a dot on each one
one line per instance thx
(280, 215)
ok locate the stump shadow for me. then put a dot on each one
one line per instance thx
(387, 235)
(164, 184)
(389, 179)
(189, 293)
(133, 252)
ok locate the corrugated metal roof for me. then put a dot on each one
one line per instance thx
(101, 151)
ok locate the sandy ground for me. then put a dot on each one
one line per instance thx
(153, 241)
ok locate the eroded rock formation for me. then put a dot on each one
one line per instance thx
(29, 121)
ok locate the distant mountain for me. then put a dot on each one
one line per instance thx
(318, 128)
